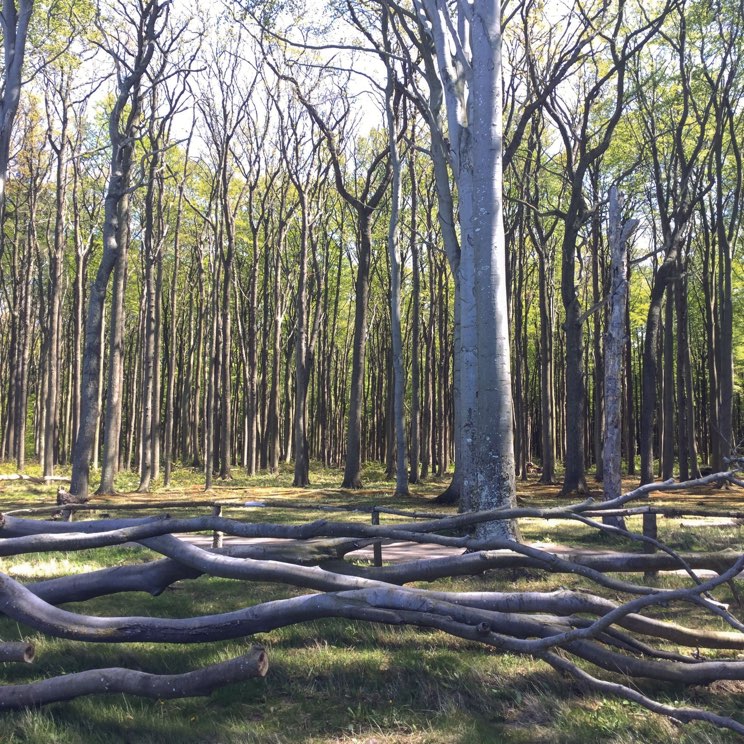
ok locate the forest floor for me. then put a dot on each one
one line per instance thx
(342, 681)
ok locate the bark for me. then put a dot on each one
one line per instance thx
(82, 252)
(252, 407)
(17, 652)
(116, 680)
(547, 383)
(416, 333)
(494, 445)
(24, 354)
(685, 404)
(157, 343)
(210, 409)
(725, 429)
(170, 385)
(274, 413)
(51, 431)
(122, 123)
(14, 19)
(668, 403)
(353, 466)
(629, 418)
(399, 388)
(114, 388)
(650, 342)
(149, 360)
(225, 364)
(575, 409)
(154, 577)
(619, 233)
(597, 361)
(686, 396)
(302, 464)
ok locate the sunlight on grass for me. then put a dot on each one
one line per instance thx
(336, 680)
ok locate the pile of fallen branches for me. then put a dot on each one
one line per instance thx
(570, 630)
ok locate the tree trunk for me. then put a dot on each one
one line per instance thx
(353, 467)
(630, 432)
(494, 445)
(575, 409)
(614, 349)
(667, 454)
(649, 371)
(125, 111)
(112, 421)
(399, 385)
(547, 383)
(55, 296)
(413, 476)
(302, 464)
(173, 310)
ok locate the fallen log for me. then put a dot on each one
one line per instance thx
(469, 564)
(156, 576)
(199, 682)
(382, 603)
(35, 478)
(556, 627)
(18, 651)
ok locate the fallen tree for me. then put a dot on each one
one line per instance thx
(567, 629)
(156, 686)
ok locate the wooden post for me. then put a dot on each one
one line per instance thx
(217, 536)
(377, 547)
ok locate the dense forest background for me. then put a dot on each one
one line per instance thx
(263, 223)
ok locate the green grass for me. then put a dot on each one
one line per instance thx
(337, 680)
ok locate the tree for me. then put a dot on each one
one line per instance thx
(586, 138)
(619, 233)
(678, 166)
(15, 20)
(363, 200)
(132, 62)
(474, 113)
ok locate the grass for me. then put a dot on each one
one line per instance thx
(337, 680)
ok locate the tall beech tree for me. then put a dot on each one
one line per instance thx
(58, 97)
(475, 120)
(15, 21)
(363, 195)
(308, 270)
(678, 170)
(132, 55)
(585, 142)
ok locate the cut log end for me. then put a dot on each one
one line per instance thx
(18, 652)
(261, 661)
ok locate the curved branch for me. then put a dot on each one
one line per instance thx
(685, 715)
(113, 680)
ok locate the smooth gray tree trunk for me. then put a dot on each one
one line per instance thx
(123, 120)
(494, 446)
(619, 233)
(56, 259)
